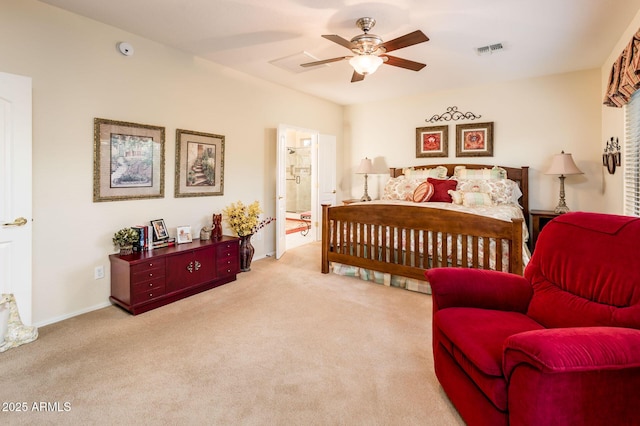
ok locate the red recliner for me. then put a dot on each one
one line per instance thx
(559, 346)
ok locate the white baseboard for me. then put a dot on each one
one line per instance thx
(73, 314)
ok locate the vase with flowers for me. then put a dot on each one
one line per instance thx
(245, 221)
(124, 240)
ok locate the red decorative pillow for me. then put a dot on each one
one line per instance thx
(423, 193)
(441, 189)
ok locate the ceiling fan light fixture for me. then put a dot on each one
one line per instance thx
(365, 64)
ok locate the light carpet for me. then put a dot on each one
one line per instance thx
(282, 345)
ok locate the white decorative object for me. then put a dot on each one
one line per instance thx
(15, 333)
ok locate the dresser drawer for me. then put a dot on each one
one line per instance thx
(148, 295)
(148, 270)
(227, 266)
(145, 286)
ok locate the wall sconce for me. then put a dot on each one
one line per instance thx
(611, 156)
(366, 167)
(563, 164)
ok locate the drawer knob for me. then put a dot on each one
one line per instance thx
(150, 275)
(150, 284)
(150, 294)
(150, 264)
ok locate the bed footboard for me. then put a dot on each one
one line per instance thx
(407, 240)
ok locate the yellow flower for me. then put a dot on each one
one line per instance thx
(244, 220)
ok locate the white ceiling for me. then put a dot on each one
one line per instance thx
(540, 37)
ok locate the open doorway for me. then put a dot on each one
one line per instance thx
(299, 172)
(306, 178)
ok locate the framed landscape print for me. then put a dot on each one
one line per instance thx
(474, 140)
(432, 141)
(199, 164)
(128, 161)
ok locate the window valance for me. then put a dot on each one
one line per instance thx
(624, 79)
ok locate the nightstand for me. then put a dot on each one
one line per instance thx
(539, 218)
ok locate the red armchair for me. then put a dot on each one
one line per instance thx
(559, 346)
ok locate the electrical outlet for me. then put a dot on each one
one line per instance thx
(98, 272)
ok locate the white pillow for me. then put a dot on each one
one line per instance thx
(399, 188)
(502, 191)
(461, 172)
(439, 172)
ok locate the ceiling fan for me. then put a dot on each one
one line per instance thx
(371, 52)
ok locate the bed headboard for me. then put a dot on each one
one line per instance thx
(518, 174)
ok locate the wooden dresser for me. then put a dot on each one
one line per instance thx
(147, 280)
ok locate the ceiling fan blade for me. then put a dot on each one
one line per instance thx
(326, 61)
(405, 41)
(356, 77)
(337, 39)
(403, 63)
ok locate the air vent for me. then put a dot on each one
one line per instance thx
(488, 50)
(292, 63)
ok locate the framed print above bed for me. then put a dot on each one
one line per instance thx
(474, 140)
(432, 141)
(128, 161)
(199, 164)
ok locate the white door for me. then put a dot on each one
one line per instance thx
(281, 193)
(326, 177)
(15, 191)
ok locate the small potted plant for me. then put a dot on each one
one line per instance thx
(124, 239)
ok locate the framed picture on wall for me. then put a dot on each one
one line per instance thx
(432, 141)
(474, 140)
(199, 164)
(128, 161)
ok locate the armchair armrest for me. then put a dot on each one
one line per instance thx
(478, 288)
(584, 375)
(565, 350)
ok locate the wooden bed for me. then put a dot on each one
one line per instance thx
(406, 240)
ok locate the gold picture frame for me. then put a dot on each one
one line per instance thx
(432, 141)
(128, 161)
(199, 164)
(474, 140)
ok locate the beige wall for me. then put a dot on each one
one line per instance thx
(613, 120)
(77, 75)
(533, 120)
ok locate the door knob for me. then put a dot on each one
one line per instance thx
(21, 221)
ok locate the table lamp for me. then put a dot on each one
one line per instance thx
(562, 164)
(366, 167)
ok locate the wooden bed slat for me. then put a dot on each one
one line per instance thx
(388, 247)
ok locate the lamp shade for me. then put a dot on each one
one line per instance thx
(563, 164)
(365, 64)
(365, 167)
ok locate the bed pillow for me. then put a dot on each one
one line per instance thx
(441, 188)
(423, 192)
(474, 199)
(439, 172)
(502, 191)
(471, 199)
(456, 196)
(461, 172)
(399, 188)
